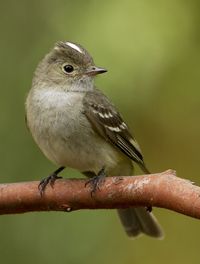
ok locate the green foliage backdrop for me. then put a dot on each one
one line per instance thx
(152, 52)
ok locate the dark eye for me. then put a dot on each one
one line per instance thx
(68, 68)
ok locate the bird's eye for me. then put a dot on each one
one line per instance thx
(67, 68)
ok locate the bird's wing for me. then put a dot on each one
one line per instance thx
(109, 124)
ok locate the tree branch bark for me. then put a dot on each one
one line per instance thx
(160, 190)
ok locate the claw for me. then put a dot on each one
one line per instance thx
(149, 209)
(49, 180)
(96, 181)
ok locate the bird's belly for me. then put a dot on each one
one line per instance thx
(79, 148)
(84, 156)
(66, 137)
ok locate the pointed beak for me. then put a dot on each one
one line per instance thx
(95, 70)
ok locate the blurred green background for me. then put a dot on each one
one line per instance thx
(152, 52)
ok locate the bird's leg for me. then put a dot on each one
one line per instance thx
(50, 179)
(149, 208)
(96, 181)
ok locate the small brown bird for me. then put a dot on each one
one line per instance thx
(76, 125)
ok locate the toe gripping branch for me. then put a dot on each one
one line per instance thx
(49, 180)
(96, 181)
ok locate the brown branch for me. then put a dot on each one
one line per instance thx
(161, 190)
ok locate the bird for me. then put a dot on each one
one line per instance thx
(75, 125)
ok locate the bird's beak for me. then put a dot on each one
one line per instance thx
(95, 70)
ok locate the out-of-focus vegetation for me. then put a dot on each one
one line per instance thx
(152, 52)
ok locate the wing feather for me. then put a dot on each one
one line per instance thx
(109, 124)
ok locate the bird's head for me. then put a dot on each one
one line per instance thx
(68, 64)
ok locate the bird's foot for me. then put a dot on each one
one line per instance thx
(96, 181)
(49, 180)
(149, 209)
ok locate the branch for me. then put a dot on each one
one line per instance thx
(160, 190)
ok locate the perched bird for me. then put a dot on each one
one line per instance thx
(75, 125)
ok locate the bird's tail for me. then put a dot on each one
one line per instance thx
(138, 220)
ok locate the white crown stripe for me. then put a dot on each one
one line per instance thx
(74, 46)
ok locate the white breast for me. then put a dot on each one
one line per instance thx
(64, 134)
